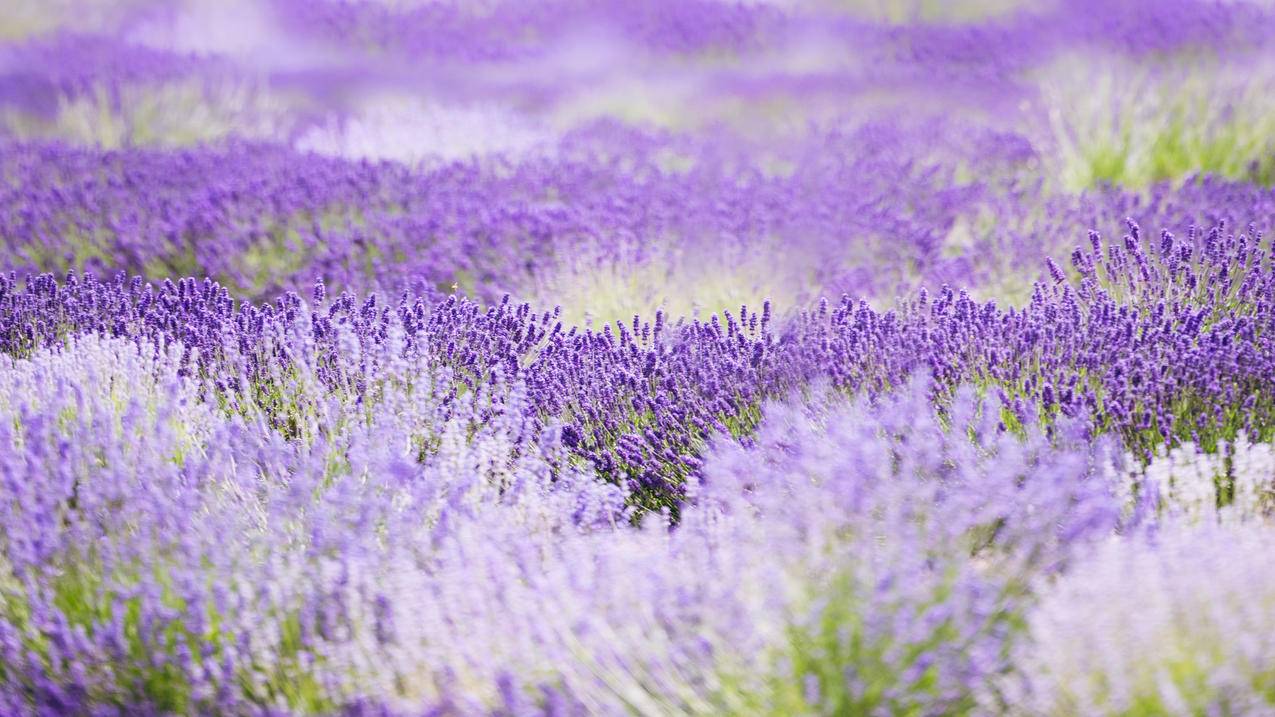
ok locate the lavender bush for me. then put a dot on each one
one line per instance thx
(583, 357)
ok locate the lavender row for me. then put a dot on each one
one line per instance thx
(261, 219)
(1161, 88)
(264, 219)
(373, 33)
(353, 573)
(1159, 341)
(164, 557)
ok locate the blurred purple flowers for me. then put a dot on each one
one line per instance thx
(596, 357)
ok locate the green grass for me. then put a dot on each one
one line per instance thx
(1113, 122)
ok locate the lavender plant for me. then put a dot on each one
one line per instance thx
(639, 399)
(1181, 629)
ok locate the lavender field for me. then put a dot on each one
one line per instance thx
(620, 357)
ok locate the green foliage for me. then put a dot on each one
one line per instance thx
(1118, 123)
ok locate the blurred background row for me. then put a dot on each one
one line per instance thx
(615, 157)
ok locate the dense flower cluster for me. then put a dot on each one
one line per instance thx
(424, 552)
(581, 357)
(1160, 342)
